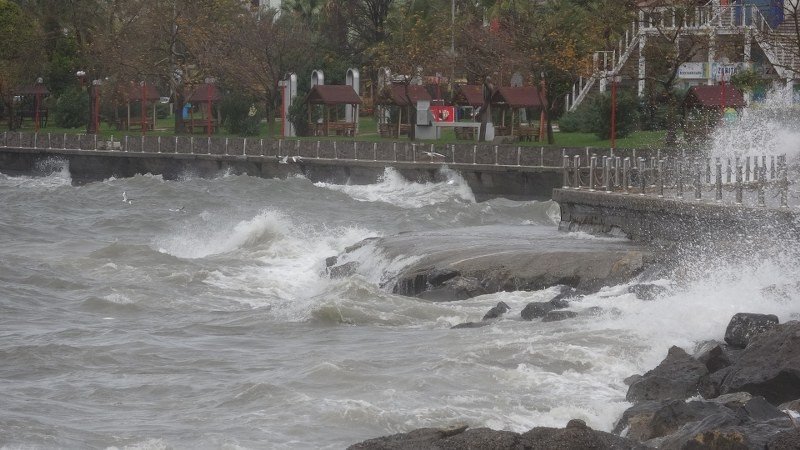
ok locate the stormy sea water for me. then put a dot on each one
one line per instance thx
(143, 313)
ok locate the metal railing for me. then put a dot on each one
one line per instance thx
(683, 177)
(297, 150)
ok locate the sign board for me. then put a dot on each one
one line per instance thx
(443, 113)
(723, 72)
(693, 70)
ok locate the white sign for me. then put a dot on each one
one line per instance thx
(692, 70)
(723, 72)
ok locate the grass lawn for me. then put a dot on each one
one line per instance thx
(368, 132)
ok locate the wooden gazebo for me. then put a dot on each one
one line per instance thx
(142, 93)
(514, 99)
(468, 95)
(404, 97)
(205, 95)
(704, 106)
(330, 97)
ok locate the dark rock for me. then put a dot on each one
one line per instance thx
(752, 425)
(785, 440)
(718, 357)
(647, 292)
(735, 400)
(344, 270)
(499, 309)
(678, 376)
(560, 300)
(423, 438)
(411, 285)
(632, 379)
(596, 311)
(481, 438)
(743, 327)
(535, 310)
(555, 316)
(470, 325)
(437, 277)
(769, 366)
(458, 288)
(331, 261)
(650, 420)
(794, 405)
(576, 435)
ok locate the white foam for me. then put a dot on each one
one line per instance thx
(394, 189)
(56, 174)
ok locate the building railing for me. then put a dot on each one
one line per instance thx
(683, 177)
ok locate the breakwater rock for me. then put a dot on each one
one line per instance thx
(457, 264)
(750, 399)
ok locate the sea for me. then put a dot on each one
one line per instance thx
(144, 313)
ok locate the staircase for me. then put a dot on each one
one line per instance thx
(780, 45)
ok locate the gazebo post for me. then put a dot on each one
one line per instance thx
(312, 125)
(208, 105)
(143, 114)
(327, 120)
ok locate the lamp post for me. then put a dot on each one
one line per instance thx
(38, 101)
(81, 77)
(143, 115)
(94, 108)
(614, 80)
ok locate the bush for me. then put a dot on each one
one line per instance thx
(240, 115)
(580, 120)
(626, 115)
(71, 109)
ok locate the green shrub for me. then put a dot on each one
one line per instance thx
(240, 115)
(71, 109)
(626, 115)
(298, 115)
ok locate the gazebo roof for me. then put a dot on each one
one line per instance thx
(517, 97)
(396, 94)
(468, 94)
(331, 94)
(711, 97)
(32, 89)
(201, 93)
(133, 92)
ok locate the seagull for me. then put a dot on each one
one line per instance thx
(283, 160)
(125, 198)
(434, 155)
(296, 159)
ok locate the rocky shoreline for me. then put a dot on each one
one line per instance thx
(742, 392)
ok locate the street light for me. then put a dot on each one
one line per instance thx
(81, 77)
(143, 115)
(94, 108)
(38, 96)
(614, 80)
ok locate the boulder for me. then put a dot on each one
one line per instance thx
(718, 357)
(647, 292)
(470, 325)
(576, 435)
(751, 425)
(678, 376)
(769, 366)
(423, 438)
(743, 327)
(785, 440)
(344, 270)
(535, 310)
(458, 288)
(651, 420)
(793, 405)
(437, 277)
(497, 311)
(556, 316)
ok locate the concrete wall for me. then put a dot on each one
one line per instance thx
(649, 219)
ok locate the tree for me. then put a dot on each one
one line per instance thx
(21, 58)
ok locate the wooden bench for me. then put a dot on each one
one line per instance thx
(335, 128)
(526, 133)
(200, 125)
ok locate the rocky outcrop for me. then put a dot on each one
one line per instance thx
(456, 264)
(769, 366)
(753, 381)
(679, 376)
(576, 435)
(743, 327)
(495, 313)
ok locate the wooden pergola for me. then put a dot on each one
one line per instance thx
(142, 93)
(514, 99)
(205, 95)
(331, 96)
(38, 91)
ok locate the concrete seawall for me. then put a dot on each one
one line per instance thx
(649, 218)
